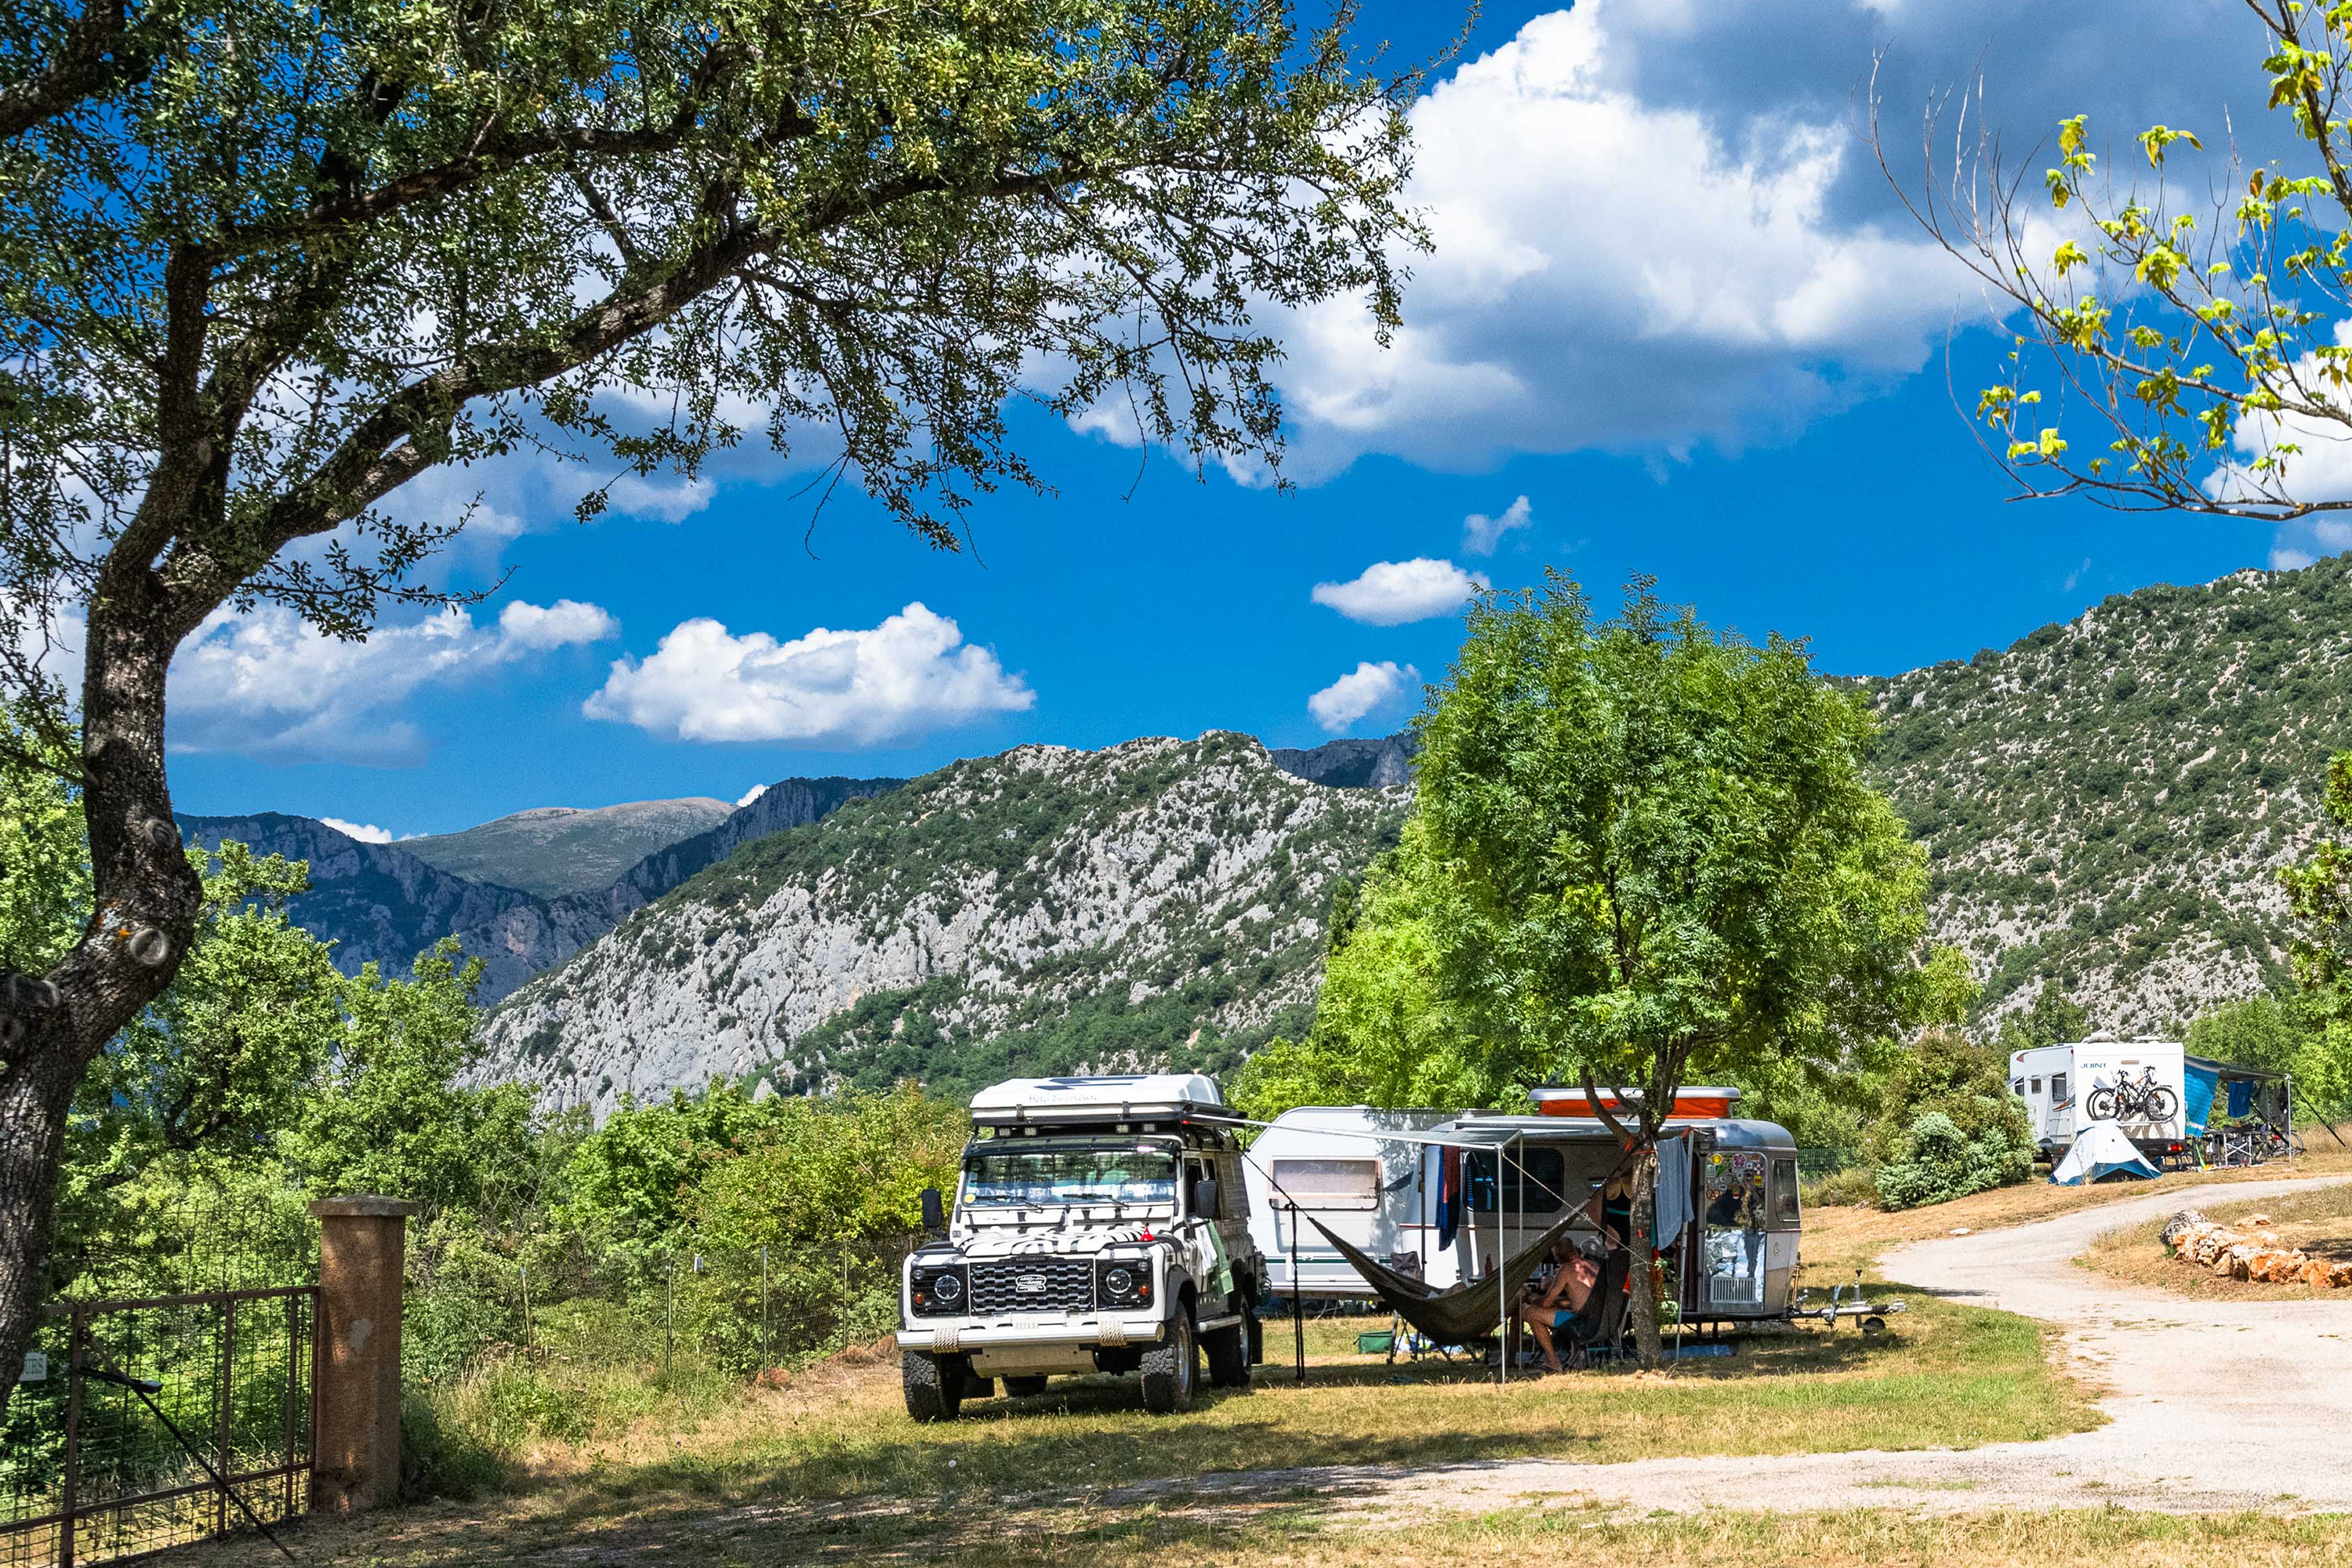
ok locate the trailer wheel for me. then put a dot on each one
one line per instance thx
(934, 1389)
(1872, 1326)
(1023, 1387)
(1171, 1368)
(1228, 1348)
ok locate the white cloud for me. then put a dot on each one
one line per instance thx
(1391, 593)
(2284, 559)
(1364, 690)
(562, 624)
(1481, 533)
(2074, 576)
(365, 832)
(754, 792)
(1612, 273)
(910, 674)
(270, 685)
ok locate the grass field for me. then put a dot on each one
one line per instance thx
(827, 1468)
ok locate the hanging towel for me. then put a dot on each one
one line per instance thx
(1674, 1188)
(2242, 1097)
(1449, 1195)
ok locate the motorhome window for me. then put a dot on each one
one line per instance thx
(1327, 1184)
(2037, 1086)
(1534, 1182)
(1784, 1192)
(1040, 1178)
(2016, 1086)
(2057, 1085)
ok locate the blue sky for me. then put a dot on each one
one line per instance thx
(1670, 307)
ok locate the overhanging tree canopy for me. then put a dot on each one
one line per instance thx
(260, 265)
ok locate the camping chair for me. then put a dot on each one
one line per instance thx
(1599, 1323)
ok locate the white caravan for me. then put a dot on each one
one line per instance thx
(1386, 1180)
(1349, 1167)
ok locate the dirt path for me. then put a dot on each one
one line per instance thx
(2213, 1405)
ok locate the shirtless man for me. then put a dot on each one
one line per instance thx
(1571, 1287)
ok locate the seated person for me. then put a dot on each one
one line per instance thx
(1550, 1308)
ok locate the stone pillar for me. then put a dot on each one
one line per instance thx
(362, 1246)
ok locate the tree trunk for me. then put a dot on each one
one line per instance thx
(146, 897)
(1643, 1277)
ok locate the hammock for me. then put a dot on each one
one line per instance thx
(1461, 1314)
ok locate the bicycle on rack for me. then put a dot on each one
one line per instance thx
(2139, 1100)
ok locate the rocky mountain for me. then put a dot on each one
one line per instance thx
(1046, 909)
(1351, 765)
(384, 904)
(787, 803)
(559, 849)
(379, 903)
(2106, 803)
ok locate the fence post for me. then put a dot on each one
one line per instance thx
(767, 1340)
(362, 1249)
(670, 1321)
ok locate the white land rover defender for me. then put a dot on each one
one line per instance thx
(1100, 1225)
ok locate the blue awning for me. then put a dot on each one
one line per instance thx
(2198, 1084)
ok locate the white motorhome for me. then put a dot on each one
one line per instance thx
(2153, 1089)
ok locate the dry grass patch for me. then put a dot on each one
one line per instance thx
(2319, 1222)
(1328, 1530)
(1838, 1239)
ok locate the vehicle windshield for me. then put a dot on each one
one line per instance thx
(1038, 1178)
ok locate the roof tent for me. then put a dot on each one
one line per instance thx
(1124, 1097)
(1695, 1104)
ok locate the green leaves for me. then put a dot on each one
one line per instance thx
(1641, 849)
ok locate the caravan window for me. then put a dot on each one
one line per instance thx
(1327, 1184)
(1784, 1192)
(1534, 1181)
(2057, 1085)
(2016, 1086)
(2037, 1086)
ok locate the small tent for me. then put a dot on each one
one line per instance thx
(2102, 1148)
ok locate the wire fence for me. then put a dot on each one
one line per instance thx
(736, 1310)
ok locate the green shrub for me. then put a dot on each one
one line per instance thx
(1853, 1187)
(440, 1457)
(1941, 1163)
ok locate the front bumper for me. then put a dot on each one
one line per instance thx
(958, 1335)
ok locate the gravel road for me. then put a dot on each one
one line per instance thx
(2267, 1425)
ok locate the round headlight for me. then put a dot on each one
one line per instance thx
(1120, 1281)
(947, 1290)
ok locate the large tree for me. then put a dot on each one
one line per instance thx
(2174, 309)
(1658, 851)
(261, 265)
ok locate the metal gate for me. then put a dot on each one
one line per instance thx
(130, 1415)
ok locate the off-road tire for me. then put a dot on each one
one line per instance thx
(934, 1390)
(1023, 1387)
(1171, 1368)
(1229, 1362)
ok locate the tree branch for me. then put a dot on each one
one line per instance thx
(93, 58)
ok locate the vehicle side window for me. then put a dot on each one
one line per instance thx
(2057, 1085)
(2016, 1086)
(1327, 1184)
(1535, 1182)
(1233, 1192)
(1784, 1192)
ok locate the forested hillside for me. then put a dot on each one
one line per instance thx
(1042, 911)
(2107, 802)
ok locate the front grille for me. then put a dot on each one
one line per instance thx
(1055, 1285)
